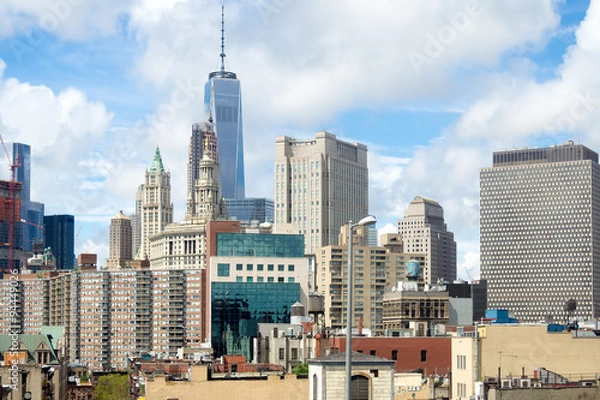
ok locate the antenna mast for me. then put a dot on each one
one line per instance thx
(222, 55)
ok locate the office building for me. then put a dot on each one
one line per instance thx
(30, 224)
(250, 209)
(120, 251)
(156, 208)
(320, 185)
(424, 231)
(59, 235)
(376, 269)
(223, 103)
(255, 277)
(540, 230)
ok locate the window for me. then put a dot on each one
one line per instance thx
(260, 267)
(294, 353)
(280, 267)
(291, 267)
(260, 279)
(423, 355)
(270, 267)
(281, 353)
(239, 279)
(395, 355)
(222, 269)
(270, 279)
(239, 267)
(249, 279)
(281, 279)
(249, 267)
(291, 280)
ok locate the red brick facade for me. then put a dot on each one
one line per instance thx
(430, 354)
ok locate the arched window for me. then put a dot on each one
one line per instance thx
(360, 387)
(315, 393)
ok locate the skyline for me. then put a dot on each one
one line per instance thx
(431, 89)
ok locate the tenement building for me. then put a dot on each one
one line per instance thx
(540, 232)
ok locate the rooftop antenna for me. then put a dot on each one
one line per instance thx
(222, 55)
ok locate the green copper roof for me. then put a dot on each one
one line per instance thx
(157, 165)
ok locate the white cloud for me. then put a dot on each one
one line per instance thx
(77, 20)
(302, 64)
(62, 128)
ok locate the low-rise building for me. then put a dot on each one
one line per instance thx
(35, 364)
(511, 355)
(372, 377)
(287, 387)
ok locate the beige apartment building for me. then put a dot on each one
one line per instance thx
(424, 231)
(27, 303)
(120, 251)
(320, 185)
(376, 269)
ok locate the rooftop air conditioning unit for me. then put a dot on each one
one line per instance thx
(506, 383)
(525, 383)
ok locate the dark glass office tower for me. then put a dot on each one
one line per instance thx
(223, 103)
(59, 235)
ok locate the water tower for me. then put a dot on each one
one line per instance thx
(316, 309)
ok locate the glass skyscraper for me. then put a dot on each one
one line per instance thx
(223, 99)
(59, 235)
(223, 103)
(31, 221)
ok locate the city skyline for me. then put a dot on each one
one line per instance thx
(421, 85)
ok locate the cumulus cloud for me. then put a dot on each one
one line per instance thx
(62, 128)
(302, 64)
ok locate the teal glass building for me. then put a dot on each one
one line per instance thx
(260, 245)
(238, 307)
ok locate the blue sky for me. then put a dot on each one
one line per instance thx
(432, 88)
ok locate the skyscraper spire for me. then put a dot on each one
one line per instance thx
(222, 39)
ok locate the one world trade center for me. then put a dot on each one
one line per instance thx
(223, 100)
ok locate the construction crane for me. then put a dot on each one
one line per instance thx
(13, 165)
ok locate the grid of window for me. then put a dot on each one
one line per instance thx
(260, 245)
